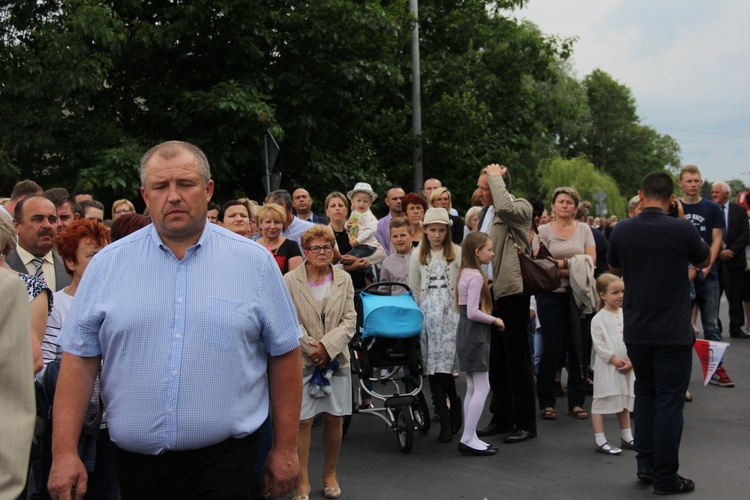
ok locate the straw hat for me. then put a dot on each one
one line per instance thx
(362, 187)
(436, 216)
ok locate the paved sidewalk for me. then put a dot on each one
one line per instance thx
(561, 463)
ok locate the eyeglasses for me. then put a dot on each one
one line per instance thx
(325, 248)
(123, 211)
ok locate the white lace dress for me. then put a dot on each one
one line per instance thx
(438, 339)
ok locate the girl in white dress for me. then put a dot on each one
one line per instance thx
(433, 272)
(613, 372)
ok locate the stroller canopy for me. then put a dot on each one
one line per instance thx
(390, 316)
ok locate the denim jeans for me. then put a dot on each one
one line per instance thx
(707, 298)
(663, 375)
(538, 345)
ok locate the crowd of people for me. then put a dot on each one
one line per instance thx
(229, 334)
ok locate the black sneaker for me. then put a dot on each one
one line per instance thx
(644, 476)
(681, 486)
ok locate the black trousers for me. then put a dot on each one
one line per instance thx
(511, 370)
(732, 282)
(663, 375)
(222, 471)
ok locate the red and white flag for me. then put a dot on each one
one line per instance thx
(709, 353)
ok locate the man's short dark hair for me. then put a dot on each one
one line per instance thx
(23, 188)
(657, 186)
(506, 177)
(281, 197)
(83, 205)
(537, 206)
(82, 191)
(213, 206)
(582, 213)
(59, 196)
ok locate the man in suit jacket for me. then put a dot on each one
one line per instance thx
(36, 223)
(17, 405)
(731, 261)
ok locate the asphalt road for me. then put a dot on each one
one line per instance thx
(560, 462)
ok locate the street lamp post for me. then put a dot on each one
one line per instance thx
(416, 117)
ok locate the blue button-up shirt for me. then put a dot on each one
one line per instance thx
(183, 342)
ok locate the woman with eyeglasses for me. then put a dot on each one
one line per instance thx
(324, 298)
(271, 217)
(122, 207)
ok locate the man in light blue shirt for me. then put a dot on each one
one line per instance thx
(186, 320)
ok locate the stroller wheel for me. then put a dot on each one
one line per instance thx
(404, 426)
(421, 412)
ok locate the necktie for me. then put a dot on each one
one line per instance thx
(38, 262)
(724, 229)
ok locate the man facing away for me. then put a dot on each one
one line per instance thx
(652, 253)
(186, 338)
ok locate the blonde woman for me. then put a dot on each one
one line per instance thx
(271, 217)
(441, 198)
(122, 207)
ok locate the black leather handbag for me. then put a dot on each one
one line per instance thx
(539, 275)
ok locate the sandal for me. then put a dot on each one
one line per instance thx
(549, 414)
(580, 413)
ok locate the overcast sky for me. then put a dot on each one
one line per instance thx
(687, 63)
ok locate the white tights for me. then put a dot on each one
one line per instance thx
(477, 390)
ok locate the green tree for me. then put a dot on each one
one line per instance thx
(89, 85)
(586, 179)
(616, 142)
(736, 186)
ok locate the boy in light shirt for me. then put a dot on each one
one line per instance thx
(396, 266)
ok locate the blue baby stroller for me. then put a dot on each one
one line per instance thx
(386, 359)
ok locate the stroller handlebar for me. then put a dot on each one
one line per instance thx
(375, 287)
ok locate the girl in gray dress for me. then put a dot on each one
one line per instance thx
(474, 302)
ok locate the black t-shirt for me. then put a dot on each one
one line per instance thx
(705, 216)
(654, 251)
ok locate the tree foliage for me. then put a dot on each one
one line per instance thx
(617, 143)
(586, 179)
(88, 86)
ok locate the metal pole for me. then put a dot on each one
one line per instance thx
(416, 100)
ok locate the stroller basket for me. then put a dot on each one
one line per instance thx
(389, 316)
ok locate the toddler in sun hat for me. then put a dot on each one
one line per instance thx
(362, 225)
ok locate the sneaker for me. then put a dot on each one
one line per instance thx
(721, 378)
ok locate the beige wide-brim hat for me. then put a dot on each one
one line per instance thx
(362, 187)
(436, 216)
